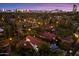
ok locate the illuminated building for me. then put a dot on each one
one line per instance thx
(74, 8)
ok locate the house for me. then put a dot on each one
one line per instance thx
(30, 42)
(67, 39)
(4, 47)
(66, 42)
(49, 36)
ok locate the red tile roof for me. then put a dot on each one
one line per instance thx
(67, 39)
(4, 43)
(48, 35)
(33, 40)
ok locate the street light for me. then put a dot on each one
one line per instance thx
(51, 26)
(29, 29)
(10, 45)
(56, 40)
(39, 23)
(70, 51)
(57, 22)
(24, 20)
(76, 35)
(10, 38)
(2, 18)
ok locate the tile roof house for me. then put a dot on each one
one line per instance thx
(48, 35)
(30, 42)
(4, 47)
(66, 42)
(67, 39)
(4, 43)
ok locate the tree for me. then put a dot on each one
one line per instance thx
(44, 50)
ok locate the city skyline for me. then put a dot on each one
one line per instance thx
(40, 6)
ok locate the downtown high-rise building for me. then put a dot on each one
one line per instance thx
(74, 8)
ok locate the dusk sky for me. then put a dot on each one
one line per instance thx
(39, 6)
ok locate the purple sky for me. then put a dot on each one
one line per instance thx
(39, 6)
